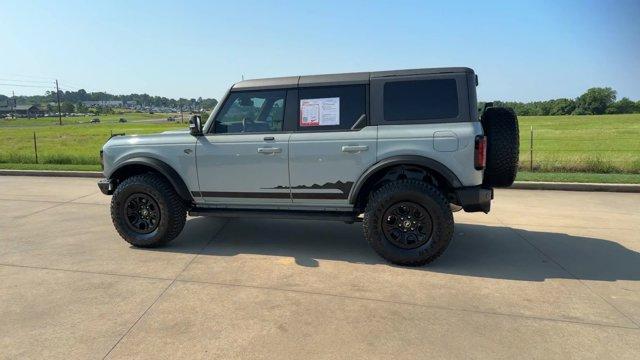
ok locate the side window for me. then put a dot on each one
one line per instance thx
(420, 100)
(331, 107)
(251, 112)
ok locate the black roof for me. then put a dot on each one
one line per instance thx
(337, 79)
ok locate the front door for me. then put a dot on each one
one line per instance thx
(243, 160)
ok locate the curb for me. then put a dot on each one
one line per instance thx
(52, 173)
(569, 186)
(520, 185)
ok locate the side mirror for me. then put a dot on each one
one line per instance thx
(195, 125)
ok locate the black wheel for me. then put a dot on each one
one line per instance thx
(408, 222)
(146, 211)
(503, 146)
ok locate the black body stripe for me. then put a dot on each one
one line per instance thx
(310, 195)
(254, 195)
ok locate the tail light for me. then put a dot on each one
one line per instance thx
(480, 158)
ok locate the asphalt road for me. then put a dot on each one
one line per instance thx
(547, 274)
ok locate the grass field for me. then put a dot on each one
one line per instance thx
(593, 144)
(79, 120)
(73, 143)
(579, 177)
(562, 145)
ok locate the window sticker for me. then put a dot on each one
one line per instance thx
(320, 112)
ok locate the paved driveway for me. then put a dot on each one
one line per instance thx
(544, 275)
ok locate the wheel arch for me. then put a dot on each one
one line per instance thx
(374, 174)
(141, 165)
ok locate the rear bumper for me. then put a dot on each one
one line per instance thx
(107, 186)
(475, 198)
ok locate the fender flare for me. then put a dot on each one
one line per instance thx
(415, 160)
(163, 168)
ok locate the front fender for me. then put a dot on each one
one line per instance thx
(161, 167)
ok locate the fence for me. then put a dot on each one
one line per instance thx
(540, 151)
(582, 152)
(35, 147)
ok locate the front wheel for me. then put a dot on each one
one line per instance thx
(408, 222)
(146, 211)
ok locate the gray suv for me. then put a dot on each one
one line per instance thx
(397, 150)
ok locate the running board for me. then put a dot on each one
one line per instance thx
(277, 214)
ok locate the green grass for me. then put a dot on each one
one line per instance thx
(605, 145)
(78, 144)
(60, 167)
(579, 177)
(596, 144)
(77, 120)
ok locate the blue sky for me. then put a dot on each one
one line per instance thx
(521, 50)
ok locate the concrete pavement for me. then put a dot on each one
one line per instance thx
(547, 274)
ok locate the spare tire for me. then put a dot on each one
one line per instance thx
(503, 146)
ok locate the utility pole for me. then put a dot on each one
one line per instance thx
(58, 97)
(13, 104)
(181, 114)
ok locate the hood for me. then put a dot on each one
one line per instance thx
(167, 137)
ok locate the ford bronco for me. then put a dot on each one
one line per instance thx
(397, 150)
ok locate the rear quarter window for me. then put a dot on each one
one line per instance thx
(420, 100)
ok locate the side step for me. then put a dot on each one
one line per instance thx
(277, 214)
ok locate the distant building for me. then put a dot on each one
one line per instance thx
(103, 103)
(20, 110)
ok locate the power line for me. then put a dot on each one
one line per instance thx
(9, 77)
(72, 85)
(29, 86)
(30, 76)
(71, 88)
(27, 81)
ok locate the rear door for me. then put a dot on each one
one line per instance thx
(326, 155)
(244, 160)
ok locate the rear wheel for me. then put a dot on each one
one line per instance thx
(408, 222)
(146, 211)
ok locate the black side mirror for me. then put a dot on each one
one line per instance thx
(195, 125)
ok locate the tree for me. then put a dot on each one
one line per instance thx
(562, 106)
(596, 100)
(622, 106)
(81, 108)
(67, 107)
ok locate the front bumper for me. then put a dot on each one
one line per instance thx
(107, 186)
(475, 198)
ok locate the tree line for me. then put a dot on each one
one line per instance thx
(595, 101)
(75, 98)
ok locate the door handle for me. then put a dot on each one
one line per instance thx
(269, 150)
(354, 148)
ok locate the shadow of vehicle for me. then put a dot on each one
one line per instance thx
(477, 250)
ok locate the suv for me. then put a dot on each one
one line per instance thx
(397, 150)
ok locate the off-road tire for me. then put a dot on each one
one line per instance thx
(423, 194)
(172, 210)
(503, 146)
